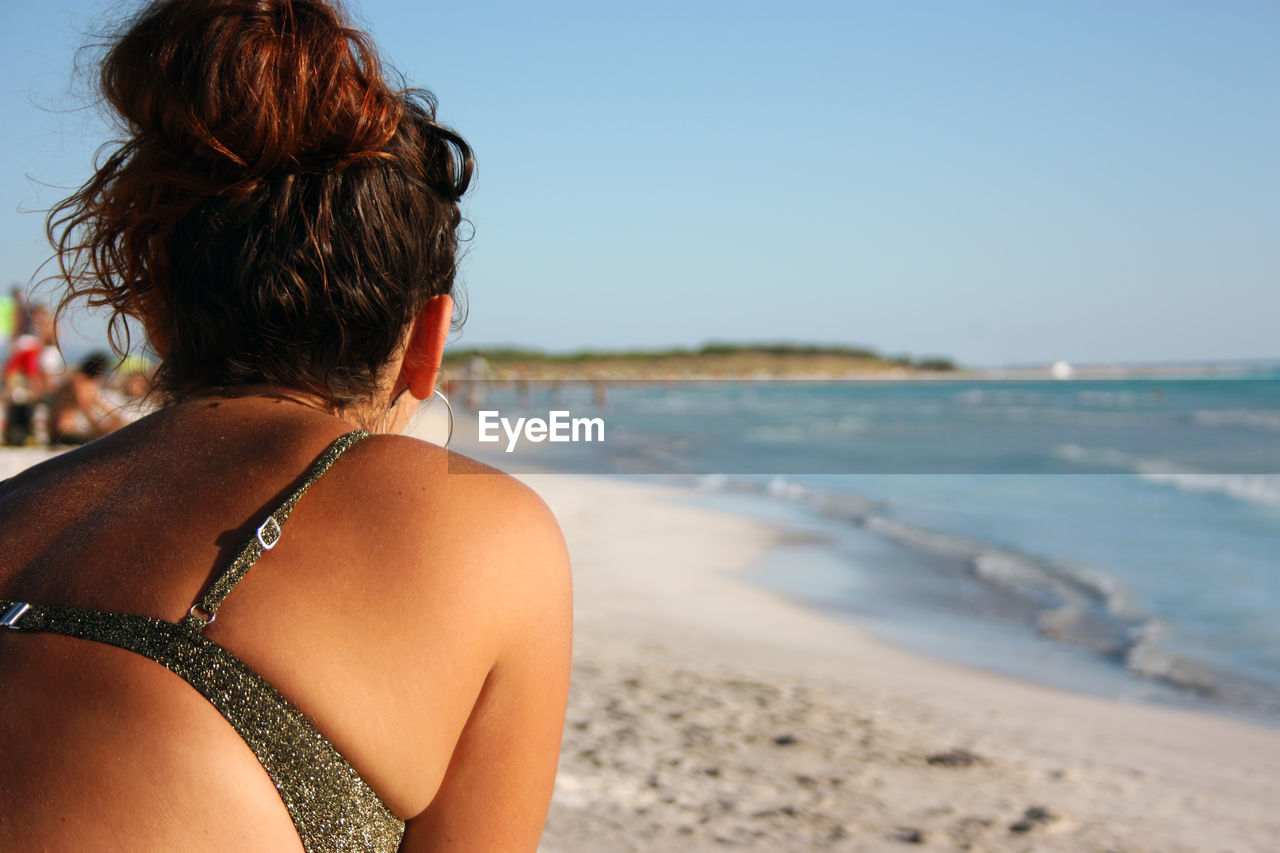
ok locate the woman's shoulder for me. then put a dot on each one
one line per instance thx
(404, 475)
(470, 588)
(427, 502)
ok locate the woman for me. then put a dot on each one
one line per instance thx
(377, 633)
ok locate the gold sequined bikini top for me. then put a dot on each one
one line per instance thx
(332, 808)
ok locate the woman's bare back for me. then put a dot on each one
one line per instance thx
(417, 615)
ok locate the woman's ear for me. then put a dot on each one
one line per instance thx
(426, 346)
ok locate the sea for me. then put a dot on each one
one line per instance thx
(1116, 536)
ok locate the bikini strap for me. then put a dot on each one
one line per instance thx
(268, 534)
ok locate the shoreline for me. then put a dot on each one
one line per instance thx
(709, 712)
(832, 550)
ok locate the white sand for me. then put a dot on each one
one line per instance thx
(707, 713)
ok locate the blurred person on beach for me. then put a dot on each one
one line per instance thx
(15, 320)
(32, 372)
(11, 311)
(33, 357)
(362, 640)
(15, 317)
(475, 376)
(8, 312)
(80, 409)
(132, 388)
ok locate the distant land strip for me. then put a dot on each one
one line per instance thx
(712, 360)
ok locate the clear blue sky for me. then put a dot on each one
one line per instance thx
(996, 181)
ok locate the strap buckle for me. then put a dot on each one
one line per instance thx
(269, 533)
(13, 614)
(205, 617)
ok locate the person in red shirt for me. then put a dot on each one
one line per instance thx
(26, 358)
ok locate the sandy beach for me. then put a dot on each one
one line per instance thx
(709, 714)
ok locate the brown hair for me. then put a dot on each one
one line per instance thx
(277, 210)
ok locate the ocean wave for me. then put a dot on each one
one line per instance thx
(1263, 419)
(1089, 608)
(1150, 657)
(808, 430)
(1063, 601)
(1107, 399)
(712, 482)
(941, 544)
(838, 505)
(1043, 399)
(1253, 488)
(1075, 418)
(781, 487)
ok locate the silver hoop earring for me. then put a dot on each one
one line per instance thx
(449, 437)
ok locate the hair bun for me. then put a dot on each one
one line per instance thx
(249, 86)
(226, 220)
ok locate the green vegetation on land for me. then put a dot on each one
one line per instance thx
(715, 359)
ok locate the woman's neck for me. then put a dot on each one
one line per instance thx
(368, 414)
